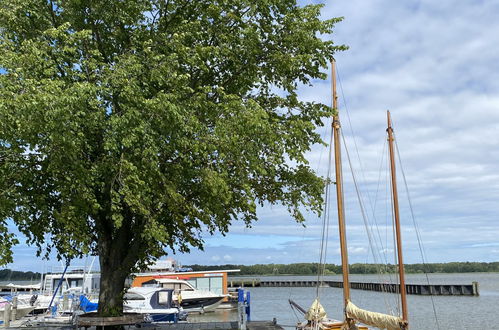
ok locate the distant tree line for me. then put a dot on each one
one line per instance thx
(311, 268)
(10, 275)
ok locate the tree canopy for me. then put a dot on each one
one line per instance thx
(131, 126)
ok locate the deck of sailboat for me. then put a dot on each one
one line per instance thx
(324, 325)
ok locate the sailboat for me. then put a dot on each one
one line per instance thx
(355, 317)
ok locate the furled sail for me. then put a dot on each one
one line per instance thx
(378, 320)
(316, 312)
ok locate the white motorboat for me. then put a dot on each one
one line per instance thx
(21, 309)
(156, 303)
(65, 303)
(39, 302)
(190, 298)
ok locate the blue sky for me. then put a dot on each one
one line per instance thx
(434, 64)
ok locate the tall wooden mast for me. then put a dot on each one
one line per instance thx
(339, 188)
(397, 220)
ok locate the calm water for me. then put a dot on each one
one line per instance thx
(453, 312)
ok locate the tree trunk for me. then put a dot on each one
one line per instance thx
(118, 254)
(114, 270)
(112, 281)
(112, 284)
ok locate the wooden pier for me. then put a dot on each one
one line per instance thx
(418, 289)
(253, 325)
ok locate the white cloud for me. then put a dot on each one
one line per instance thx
(354, 250)
(484, 245)
(434, 65)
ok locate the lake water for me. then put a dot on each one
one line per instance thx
(453, 312)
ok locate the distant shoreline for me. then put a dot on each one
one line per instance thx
(309, 269)
(16, 275)
(331, 269)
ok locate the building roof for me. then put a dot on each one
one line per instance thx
(206, 272)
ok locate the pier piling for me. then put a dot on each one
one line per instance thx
(14, 308)
(6, 316)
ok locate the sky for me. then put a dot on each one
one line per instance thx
(434, 65)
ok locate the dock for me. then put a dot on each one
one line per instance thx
(416, 289)
(253, 325)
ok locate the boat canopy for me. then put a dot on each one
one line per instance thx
(21, 286)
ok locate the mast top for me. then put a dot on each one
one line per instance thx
(395, 205)
(389, 123)
(333, 88)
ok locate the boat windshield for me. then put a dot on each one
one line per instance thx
(178, 287)
(163, 298)
(133, 296)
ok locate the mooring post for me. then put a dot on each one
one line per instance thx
(241, 310)
(248, 308)
(65, 302)
(475, 289)
(6, 315)
(14, 308)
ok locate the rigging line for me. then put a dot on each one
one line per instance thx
(384, 243)
(372, 244)
(327, 213)
(379, 175)
(384, 269)
(395, 252)
(328, 124)
(328, 219)
(387, 200)
(379, 237)
(354, 139)
(367, 225)
(362, 209)
(327, 234)
(389, 216)
(325, 222)
(416, 228)
(369, 199)
(320, 273)
(363, 174)
(387, 203)
(304, 230)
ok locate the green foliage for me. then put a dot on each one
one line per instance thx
(131, 126)
(311, 268)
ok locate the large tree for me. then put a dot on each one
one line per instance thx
(132, 126)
